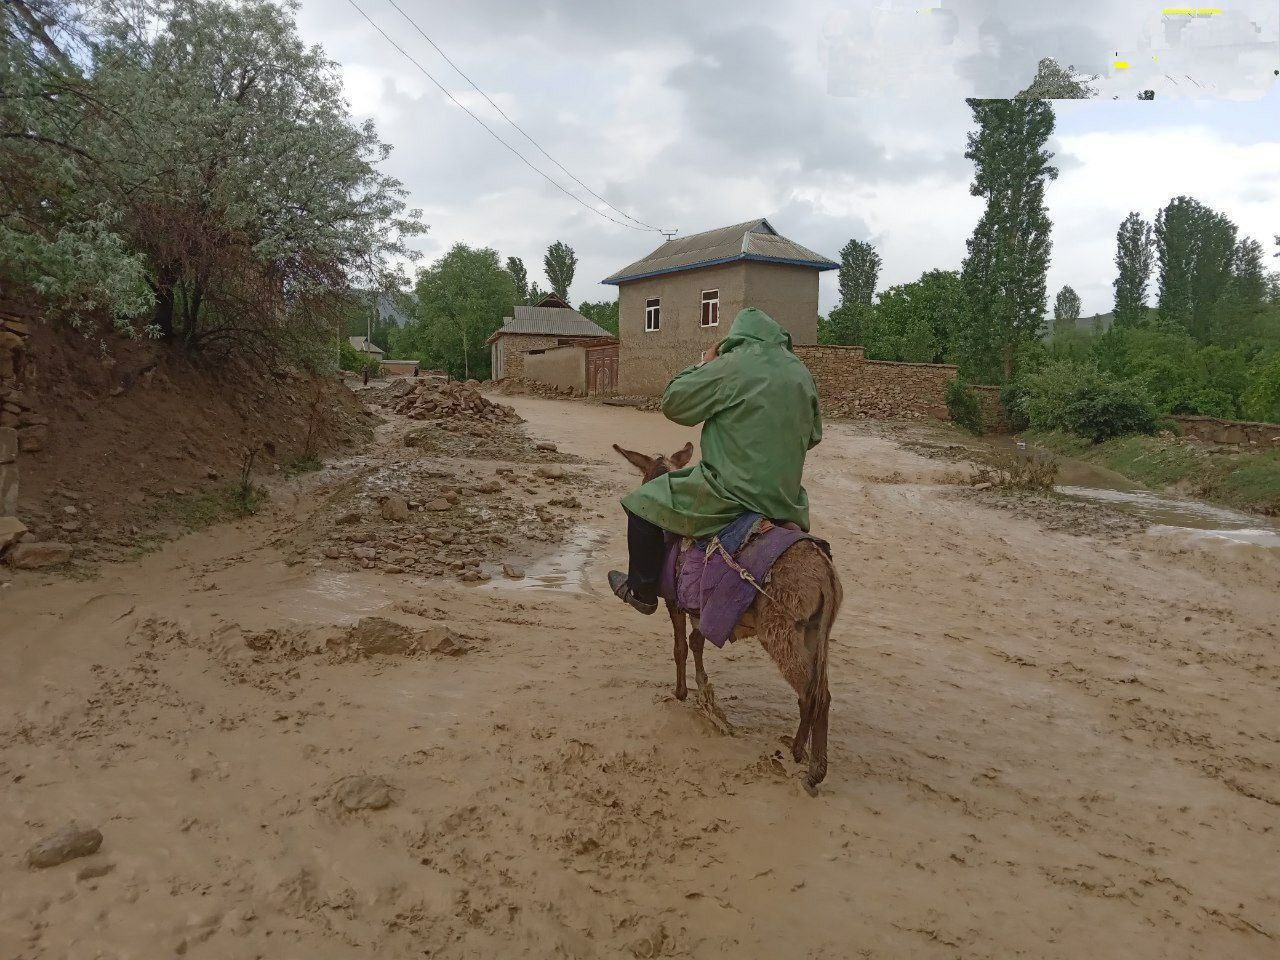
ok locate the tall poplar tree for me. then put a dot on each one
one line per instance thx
(560, 264)
(859, 273)
(515, 267)
(1195, 252)
(1008, 254)
(1066, 310)
(1134, 258)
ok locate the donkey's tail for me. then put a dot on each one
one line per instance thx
(816, 691)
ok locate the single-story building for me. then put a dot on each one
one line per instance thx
(671, 303)
(366, 346)
(397, 368)
(549, 323)
(582, 366)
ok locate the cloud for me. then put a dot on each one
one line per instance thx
(692, 118)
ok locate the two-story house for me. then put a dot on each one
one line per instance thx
(682, 297)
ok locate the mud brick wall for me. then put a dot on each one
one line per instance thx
(851, 385)
(1235, 433)
(22, 430)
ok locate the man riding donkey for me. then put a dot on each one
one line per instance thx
(758, 407)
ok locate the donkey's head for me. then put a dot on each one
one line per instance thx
(653, 467)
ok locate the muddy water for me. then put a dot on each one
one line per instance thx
(563, 569)
(1168, 515)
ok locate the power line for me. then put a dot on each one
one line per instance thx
(521, 157)
(523, 132)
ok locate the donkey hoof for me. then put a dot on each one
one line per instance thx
(682, 692)
(810, 787)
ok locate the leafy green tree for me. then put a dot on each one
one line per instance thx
(515, 267)
(216, 151)
(1066, 310)
(1053, 82)
(61, 236)
(859, 273)
(917, 322)
(560, 264)
(462, 299)
(1195, 251)
(1133, 270)
(536, 293)
(604, 313)
(1008, 254)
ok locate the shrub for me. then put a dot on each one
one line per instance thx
(963, 405)
(1013, 397)
(1077, 398)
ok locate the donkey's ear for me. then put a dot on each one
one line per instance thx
(637, 460)
(682, 456)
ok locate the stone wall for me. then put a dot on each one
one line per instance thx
(851, 385)
(22, 430)
(1236, 433)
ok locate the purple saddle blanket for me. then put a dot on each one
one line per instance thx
(699, 579)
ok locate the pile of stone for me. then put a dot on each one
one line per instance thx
(433, 399)
(523, 385)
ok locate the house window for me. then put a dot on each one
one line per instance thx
(652, 314)
(711, 308)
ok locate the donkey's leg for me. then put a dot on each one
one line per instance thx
(816, 635)
(681, 651)
(695, 641)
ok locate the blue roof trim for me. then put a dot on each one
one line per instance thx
(818, 265)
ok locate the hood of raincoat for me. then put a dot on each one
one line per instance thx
(754, 326)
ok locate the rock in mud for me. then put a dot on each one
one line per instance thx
(512, 572)
(69, 843)
(34, 555)
(362, 793)
(380, 635)
(438, 505)
(395, 508)
(549, 472)
(488, 486)
(11, 531)
(546, 446)
(446, 643)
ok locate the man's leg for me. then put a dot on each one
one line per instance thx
(646, 545)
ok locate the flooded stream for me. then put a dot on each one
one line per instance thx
(1166, 514)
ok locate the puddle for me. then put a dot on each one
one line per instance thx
(330, 596)
(563, 569)
(1256, 537)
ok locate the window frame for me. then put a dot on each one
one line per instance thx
(653, 307)
(714, 302)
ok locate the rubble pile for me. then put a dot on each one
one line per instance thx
(434, 399)
(521, 385)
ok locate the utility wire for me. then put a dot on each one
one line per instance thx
(523, 132)
(521, 157)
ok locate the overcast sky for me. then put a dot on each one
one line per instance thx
(832, 120)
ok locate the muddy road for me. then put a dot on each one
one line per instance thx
(1043, 743)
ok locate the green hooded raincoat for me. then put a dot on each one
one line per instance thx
(759, 409)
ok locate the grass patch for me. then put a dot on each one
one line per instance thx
(201, 510)
(308, 463)
(1245, 480)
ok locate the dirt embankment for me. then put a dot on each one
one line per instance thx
(142, 440)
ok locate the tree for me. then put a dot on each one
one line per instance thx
(1052, 82)
(560, 263)
(859, 274)
(1133, 270)
(217, 161)
(918, 321)
(1066, 310)
(536, 293)
(1195, 250)
(515, 267)
(462, 299)
(1008, 254)
(604, 313)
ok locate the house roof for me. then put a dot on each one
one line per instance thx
(365, 345)
(753, 240)
(548, 321)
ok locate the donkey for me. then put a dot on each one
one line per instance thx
(793, 624)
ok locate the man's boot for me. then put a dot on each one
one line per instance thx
(622, 590)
